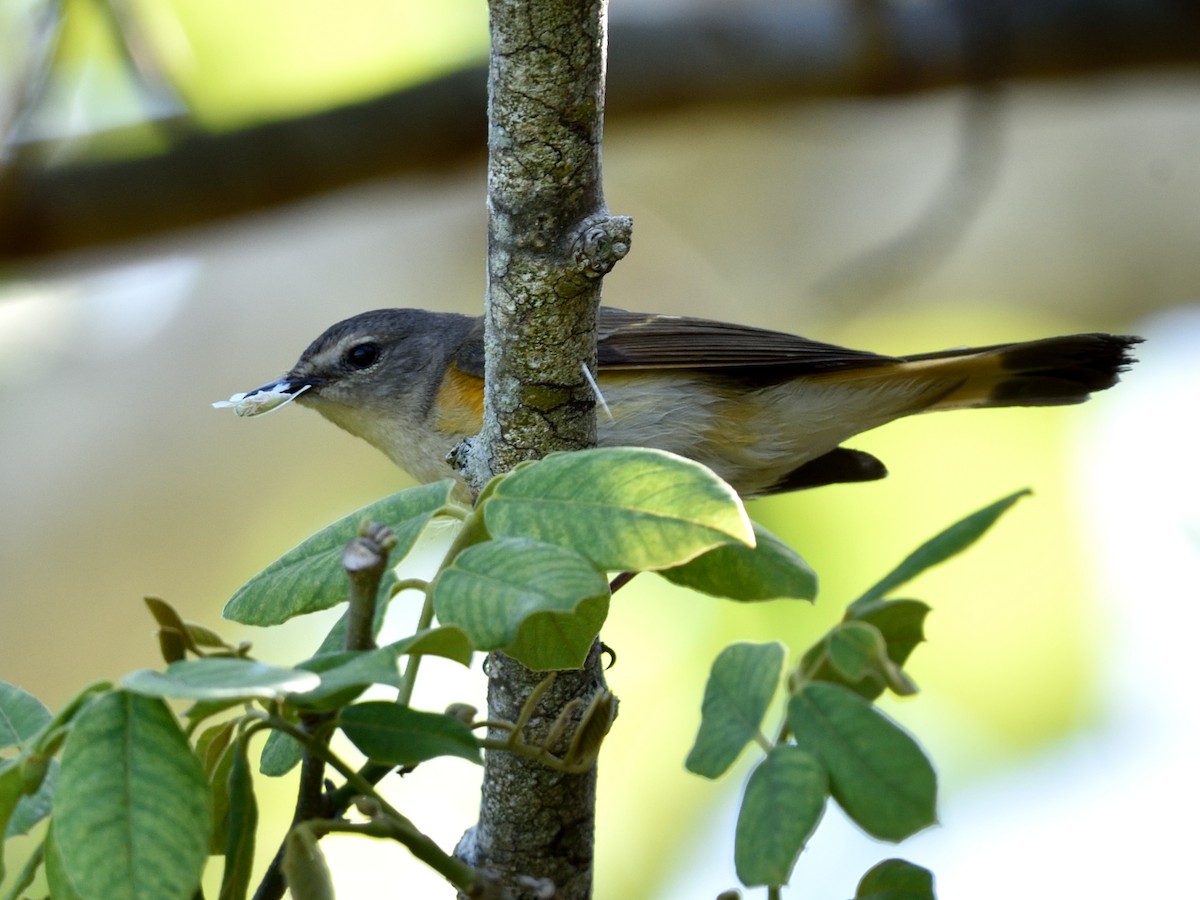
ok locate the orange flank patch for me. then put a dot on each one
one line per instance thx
(458, 406)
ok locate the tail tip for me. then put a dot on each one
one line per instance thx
(1065, 369)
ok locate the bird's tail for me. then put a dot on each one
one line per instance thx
(1049, 372)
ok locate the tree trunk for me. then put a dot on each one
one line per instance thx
(550, 241)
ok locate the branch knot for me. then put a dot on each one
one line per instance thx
(599, 242)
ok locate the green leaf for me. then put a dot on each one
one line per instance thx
(206, 709)
(220, 678)
(541, 603)
(628, 509)
(901, 622)
(854, 654)
(10, 795)
(854, 649)
(551, 640)
(938, 549)
(446, 641)
(304, 867)
(309, 577)
(902, 625)
(60, 884)
(50, 737)
(344, 673)
(131, 814)
(216, 759)
(400, 736)
(896, 879)
(783, 802)
(281, 753)
(739, 690)
(243, 820)
(769, 570)
(212, 744)
(32, 808)
(22, 715)
(877, 772)
(174, 637)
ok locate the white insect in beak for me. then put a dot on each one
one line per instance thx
(262, 400)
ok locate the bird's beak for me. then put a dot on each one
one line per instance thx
(268, 397)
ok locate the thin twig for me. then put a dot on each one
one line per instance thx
(365, 561)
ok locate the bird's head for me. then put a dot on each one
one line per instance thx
(375, 375)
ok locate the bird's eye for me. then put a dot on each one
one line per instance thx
(362, 356)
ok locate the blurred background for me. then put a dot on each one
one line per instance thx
(191, 191)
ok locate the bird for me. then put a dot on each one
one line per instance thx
(766, 410)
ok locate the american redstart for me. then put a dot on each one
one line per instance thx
(765, 410)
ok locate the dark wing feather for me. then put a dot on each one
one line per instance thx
(627, 340)
(646, 341)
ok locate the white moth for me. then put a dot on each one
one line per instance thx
(261, 400)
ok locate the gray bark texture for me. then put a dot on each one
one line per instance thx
(535, 838)
(550, 241)
(550, 237)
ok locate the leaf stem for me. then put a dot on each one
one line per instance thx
(472, 532)
(419, 844)
(764, 742)
(408, 584)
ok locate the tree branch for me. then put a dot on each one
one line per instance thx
(741, 54)
(550, 242)
(550, 237)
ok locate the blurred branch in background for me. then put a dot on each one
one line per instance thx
(34, 74)
(944, 221)
(659, 59)
(917, 248)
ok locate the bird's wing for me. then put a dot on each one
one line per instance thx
(628, 340)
